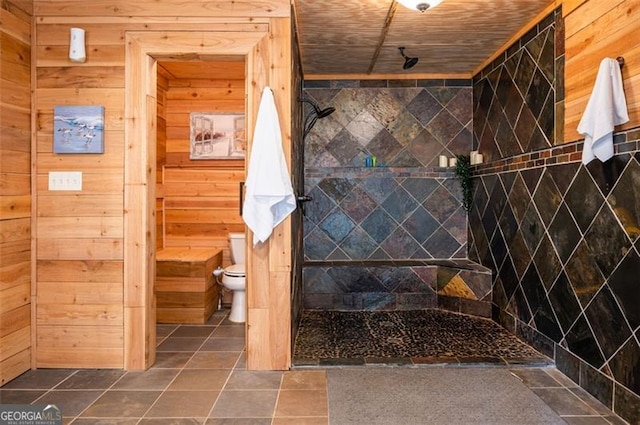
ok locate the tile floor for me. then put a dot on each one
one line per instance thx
(200, 378)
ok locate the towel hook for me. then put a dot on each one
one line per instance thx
(620, 60)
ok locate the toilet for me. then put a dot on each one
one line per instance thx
(234, 278)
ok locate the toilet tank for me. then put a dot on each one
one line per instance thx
(237, 246)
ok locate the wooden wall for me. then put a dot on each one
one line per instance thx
(596, 29)
(93, 264)
(201, 197)
(15, 190)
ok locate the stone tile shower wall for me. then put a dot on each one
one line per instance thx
(405, 210)
(562, 239)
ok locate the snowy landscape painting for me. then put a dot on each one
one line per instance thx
(78, 129)
(216, 136)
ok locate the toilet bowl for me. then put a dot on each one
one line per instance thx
(234, 278)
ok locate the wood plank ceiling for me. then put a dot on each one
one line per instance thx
(362, 37)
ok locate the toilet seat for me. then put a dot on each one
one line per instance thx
(236, 270)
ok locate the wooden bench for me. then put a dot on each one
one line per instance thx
(186, 290)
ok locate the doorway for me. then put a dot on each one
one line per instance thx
(268, 312)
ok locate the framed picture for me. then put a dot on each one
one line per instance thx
(78, 129)
(216, 136)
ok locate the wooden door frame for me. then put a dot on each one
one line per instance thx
(143, 49)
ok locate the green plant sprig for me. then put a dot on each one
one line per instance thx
(463, 173)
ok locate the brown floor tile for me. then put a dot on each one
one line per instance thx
(183, 404)
(200, 379)
(172, 421)
(302, 403)
(585, 420)
(434, 360)
(189, 345)
(304, 380)
(70, 402)
(151, 379)
(110, 421)
(229, 332)
(223, 344)
(20, 396)
(169, 360)
(192, 331)
(213, 360)
(164, 330)
(96, 379)
(536, 378)
(121, 404)
(300, 421)
(591, 401)
(245, 404)
(563, 401)
(40, 379)
(238, 421)
(254, 380)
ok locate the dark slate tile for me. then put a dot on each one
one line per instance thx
(384, 146)
(547, 198)
(358, 244)
(624, 285)
(531, 178)
(524, 72)
(607, 321)
(508, 277)
(627, 405)
(583, 273)
(441, 244)
(456, 225)
(344, 147)
(625, 365)
(420, 188)
(399, 204)
(625, 200)
(337, 188)
(525, 127)
(400, 244)
(406, 159)
(519, 198)
(421, 225)
(519, 253)
(480, 195)
(538, 92)
(498, 194)
(358, 204)
(424, 107)
(584, 199)
(547, 262)
(564, 303)
(498, 248)
(426, 148)
(379, 225)
(563, 175)
(506, 139)
(546, 322)
(606, 173)
(581, 342)
(607, 240)
(568, 364)
(317, 245)
(337, 226)
(441, 204)
(564, 233)
(532, 228)
(597, 384)
(533, 288)
(520, 307)
(444, 127)
(380, 187)
(461, 105)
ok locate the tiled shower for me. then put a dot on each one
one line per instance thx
(561, 239)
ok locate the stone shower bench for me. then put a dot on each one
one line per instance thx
(458, 285)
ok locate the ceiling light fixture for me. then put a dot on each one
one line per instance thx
(408, 62)
(420, 5)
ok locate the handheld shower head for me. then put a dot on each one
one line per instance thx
(315, 114)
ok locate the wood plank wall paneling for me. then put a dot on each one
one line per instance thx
(200, 197)
(15, 190)
(596, 29)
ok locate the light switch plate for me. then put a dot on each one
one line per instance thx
(65, 180)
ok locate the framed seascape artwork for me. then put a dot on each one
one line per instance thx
(216, 136)
(78, 129)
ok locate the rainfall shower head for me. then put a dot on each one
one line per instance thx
(314, 115)
(408, 62)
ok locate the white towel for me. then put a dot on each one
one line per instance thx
(269, 196)
(606, 108)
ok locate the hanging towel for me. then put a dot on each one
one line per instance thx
(606, 108)
(269, 195)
